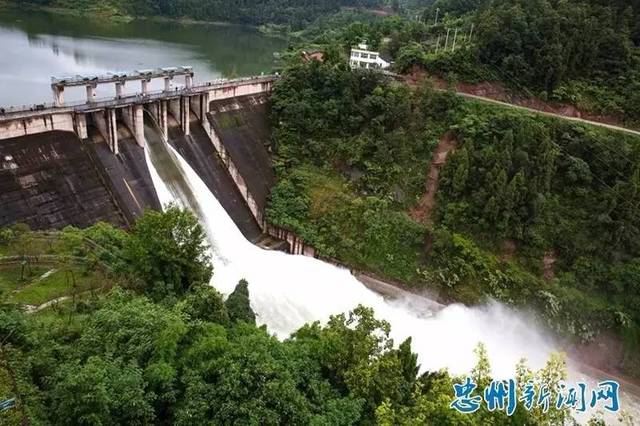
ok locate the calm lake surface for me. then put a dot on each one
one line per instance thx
(34, 46)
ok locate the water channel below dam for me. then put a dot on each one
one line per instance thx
(288, 291)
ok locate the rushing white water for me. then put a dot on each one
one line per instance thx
(288, 291)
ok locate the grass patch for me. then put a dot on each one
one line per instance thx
(14, 277)
(31, 289)
(60, 283)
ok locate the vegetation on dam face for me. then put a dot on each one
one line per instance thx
(156, 345)
(532, 211)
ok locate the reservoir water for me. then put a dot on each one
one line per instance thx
(38, 45)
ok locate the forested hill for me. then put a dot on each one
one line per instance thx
(544, 43)
(585, 53)
(581, 51)
(295, 13)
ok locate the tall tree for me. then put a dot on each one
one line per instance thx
(168, 252)
(239, 306)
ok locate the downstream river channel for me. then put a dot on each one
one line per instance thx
(37, 45)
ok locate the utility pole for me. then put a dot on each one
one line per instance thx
(438, 44)
(455, 36)
(446, 40)
(437, 12)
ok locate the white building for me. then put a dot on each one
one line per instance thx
(362, 57)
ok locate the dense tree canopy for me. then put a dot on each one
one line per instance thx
(353, 153)
(167, 251)
(542, 43)
(294, 13)
(584, 52)
(120, 358)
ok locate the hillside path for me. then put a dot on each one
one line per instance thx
(422, 212)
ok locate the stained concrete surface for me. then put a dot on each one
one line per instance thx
(49, 180)
(243, 127)
(126, 173)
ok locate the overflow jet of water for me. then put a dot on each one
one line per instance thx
(288, 291)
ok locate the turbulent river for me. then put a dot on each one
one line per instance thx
(288, 291)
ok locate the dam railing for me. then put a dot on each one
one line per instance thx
(107, 102)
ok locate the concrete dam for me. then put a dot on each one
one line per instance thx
(82, 162)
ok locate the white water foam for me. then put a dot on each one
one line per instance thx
(288, 291)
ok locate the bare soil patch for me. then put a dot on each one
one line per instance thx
(498, 92)
(422, 212)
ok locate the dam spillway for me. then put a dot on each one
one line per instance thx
(199, 152)
(242, 124)
(109, 134)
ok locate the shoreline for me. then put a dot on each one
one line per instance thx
(115, 18)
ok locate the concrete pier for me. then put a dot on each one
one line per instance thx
(91, 92)
(58, 95)
(200, 106)
(119, 89)
(80, 125)
(106, 123)
(134, 119)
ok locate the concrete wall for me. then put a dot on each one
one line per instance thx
(51, 180)
(233, 171)
(242, 90)
(33, 125)
(296, 244)
(243, 127)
